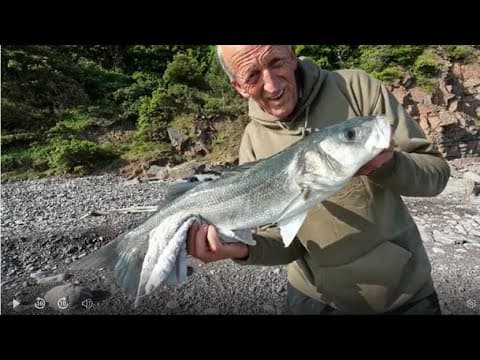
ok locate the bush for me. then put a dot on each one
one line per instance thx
(425, 69)
(14, 161)
(129, 97)
(390, 73)
(18, 139)
(77, 156)
(154, 115)
(99, 82)
(462, 53)
(186, 70)
(426, 66)
(21, 116)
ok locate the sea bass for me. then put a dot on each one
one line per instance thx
(277, 190)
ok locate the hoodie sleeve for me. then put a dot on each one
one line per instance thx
(270, 250)
(417, 167)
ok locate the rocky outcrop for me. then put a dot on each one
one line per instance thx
(450, 115)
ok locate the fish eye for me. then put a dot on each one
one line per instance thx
(350, 134)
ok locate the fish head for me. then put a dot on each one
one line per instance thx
(354, 142)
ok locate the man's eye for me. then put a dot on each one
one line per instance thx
(252, 78)
(278, 63)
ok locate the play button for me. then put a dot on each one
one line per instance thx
(15, 303)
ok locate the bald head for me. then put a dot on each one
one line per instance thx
(225, 53)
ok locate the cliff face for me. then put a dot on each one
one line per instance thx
(450, 115)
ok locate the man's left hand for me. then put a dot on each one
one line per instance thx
(377, 162)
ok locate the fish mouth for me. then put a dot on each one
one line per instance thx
(385, 130)
(380, 138)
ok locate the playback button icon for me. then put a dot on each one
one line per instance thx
(87, 303)
(39, 303)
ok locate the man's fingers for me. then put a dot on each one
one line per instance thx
(191, 238)
(200, 243)
(213, 238)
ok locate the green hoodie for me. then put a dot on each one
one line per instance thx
(359, 251)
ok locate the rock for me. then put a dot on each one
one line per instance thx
(133, 181)
(459, 186)
(53, 279)
(172, 304)
(442, 238)
(211, 311)
(437, 250)
(153, 170)
(472, 82)
(65, 297)
(177, 139)
(425, 234)
(469, 175)
(269, 309)
(183, 170)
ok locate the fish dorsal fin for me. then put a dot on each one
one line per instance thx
(289, 227)
(240, 168)
(177, 189)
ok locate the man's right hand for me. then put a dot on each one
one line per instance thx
(204, 244)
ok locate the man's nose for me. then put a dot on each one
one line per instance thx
(271, 82)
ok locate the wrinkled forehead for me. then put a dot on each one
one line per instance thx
(241, 56)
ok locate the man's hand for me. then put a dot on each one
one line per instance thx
(204, 244)
(378, 161)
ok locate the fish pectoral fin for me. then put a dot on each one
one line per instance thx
(289, 227)
(242, 235)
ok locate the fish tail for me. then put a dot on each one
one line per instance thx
(125, 255)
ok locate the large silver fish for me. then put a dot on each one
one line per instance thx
(276, 190)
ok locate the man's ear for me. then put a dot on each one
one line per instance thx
(239, 89)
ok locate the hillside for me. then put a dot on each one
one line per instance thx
(78, 110)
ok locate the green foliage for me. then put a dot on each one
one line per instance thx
(223, 107)
(139, 150)
(461, 53)
(426, 65)
(77, 156)
(216, 78)
(154, 115)
(387, 62)
(185, 69)
(390, 73)
(17, 116)
(225, 146)
(150, 58)
(425, 69)
(329, 57)
(54, 98)
(41, 76)
(18, 139)
(156, 112)
(99, 82)
(112, 57)
(184, 124)
(404, 55)
(129, 97)
(15, 160)
(70, 126)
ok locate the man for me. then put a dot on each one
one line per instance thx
(359, 251)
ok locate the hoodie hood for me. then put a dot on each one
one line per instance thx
(309, 80)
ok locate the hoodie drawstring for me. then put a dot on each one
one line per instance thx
(305, 129)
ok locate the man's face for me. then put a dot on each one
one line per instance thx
(266, 74)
